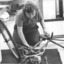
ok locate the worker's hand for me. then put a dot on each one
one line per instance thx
(29, 46)
(46, 33)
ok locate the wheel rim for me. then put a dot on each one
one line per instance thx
(15, 52)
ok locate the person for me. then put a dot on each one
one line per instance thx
(26, 28)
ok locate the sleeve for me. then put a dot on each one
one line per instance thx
(19, 20)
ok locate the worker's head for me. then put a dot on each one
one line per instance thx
(30, 10)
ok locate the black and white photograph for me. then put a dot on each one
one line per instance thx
(31, 31)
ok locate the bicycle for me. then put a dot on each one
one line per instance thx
(16, 49)
(33, 55)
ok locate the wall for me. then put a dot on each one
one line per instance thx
(49, 9)
(24, 1)
(5, 0)
(40, 3)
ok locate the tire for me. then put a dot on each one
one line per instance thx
(14, 49)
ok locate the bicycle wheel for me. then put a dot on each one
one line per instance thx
(9, 40)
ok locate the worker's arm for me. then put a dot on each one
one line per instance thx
(21, 35)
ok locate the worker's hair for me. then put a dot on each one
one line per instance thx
(30, 7)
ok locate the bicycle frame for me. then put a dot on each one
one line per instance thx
(27, 53)
(16, 47)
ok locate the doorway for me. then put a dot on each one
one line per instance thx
(59, 9)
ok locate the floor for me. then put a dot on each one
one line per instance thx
(57, 27)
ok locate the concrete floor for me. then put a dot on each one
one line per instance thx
(57, 27)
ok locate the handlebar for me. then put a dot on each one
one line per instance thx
(46, 37)
(49, 37)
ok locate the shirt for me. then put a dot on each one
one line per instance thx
(28, 25)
